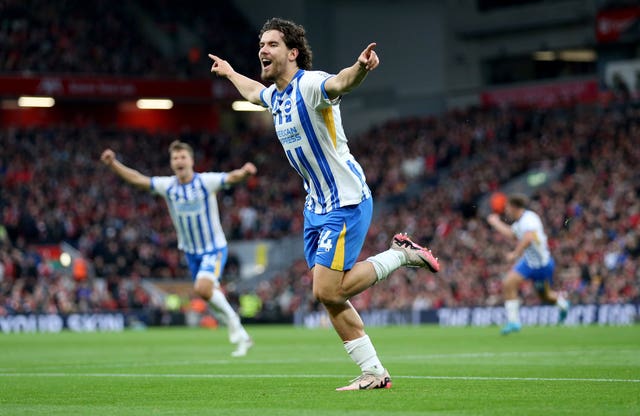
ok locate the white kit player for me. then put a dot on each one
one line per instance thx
(192, 203)
(533, 260)
(338, 209)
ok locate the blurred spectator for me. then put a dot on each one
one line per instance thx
(143, 38)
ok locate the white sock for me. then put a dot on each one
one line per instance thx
(513, 310)
(386, 262)
(363, 353)
(562, 302)
(237, 332)
(220, 303)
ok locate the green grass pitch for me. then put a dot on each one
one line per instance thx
(593, 370)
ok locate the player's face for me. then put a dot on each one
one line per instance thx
(513, 213)
(274, 55)
(182, 164)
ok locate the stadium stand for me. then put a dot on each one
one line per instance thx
(593, 211)
(136, 38)
(428, 175)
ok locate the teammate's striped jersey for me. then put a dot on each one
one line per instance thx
(309, 127)
(537, 254)
(194, 210)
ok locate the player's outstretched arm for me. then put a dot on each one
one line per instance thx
(527, 239)
(349, 78)
(131, 176)
(250, 89)
(238, 175)
(500, 226)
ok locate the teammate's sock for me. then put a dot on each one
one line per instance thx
(386, 262)
(562, 302)
(220, 302)
(363, 353)
(513, 310)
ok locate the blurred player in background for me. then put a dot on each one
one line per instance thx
(532, 257)
(191, 198)
(306, 113)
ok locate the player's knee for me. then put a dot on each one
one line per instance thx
(327, 295)
(511, 282)
(204, 289)
(509, 287)
(546, 297)
(203, 294)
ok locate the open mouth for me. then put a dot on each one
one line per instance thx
(266, 63)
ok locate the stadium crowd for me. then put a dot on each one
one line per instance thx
(592, 213)
(31, 284)
(133, 38)
(427, 181)
(427, 174)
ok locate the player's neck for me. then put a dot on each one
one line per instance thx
(283, 81)
(186, 178)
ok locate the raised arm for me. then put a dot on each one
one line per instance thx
(238, 175)
(527, 239)
(247, 87)
(500, 226)
(349, 78)
(131, 176)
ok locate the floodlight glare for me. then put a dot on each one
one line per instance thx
(154, 104)
(30, 101)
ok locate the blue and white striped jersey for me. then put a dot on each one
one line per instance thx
(309, 127)
(194, 210)
(537, 254)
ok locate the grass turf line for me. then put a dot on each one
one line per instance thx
(590, 370)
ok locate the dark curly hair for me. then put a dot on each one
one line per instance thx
(294, 37)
